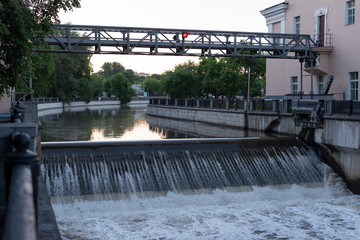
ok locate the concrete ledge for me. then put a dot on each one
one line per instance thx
(48, 228)
(47, 106)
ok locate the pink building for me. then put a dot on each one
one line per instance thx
(334, 26)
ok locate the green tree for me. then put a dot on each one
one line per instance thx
(86, 89)
(121, 87)
(183, 82)
(98, 83)
(23, 23)
(109, 69)
(209, 70)
(70, 70)
(43, 74)
(152, 85)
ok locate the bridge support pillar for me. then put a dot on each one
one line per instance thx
(211, 103)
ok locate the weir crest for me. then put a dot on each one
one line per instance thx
(126, 168)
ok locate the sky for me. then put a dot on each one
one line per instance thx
(228, 15)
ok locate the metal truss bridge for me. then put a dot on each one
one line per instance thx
(178, 42)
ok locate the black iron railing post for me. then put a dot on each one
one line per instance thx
(22, 157)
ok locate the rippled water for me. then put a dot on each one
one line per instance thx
(289, 212)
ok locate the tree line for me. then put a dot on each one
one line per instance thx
(225, 77)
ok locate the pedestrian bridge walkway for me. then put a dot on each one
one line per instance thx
(181, 42)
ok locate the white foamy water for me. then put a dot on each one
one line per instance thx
(294, 212)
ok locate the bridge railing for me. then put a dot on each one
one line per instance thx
(260, 104)
(22, 169)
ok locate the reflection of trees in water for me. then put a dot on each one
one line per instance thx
(78, 126)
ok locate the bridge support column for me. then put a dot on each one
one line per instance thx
(227, 102)
(211, 103)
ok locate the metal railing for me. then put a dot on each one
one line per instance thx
(22, 169)
(304, 106)
(343, 107)
(323, 40)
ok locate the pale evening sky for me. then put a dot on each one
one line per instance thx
(227, 15)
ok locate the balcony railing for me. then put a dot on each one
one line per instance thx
(323, 40)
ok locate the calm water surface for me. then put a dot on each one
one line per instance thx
(123, 123)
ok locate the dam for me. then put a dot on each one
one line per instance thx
(263, 187)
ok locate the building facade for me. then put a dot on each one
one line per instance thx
(335, 28)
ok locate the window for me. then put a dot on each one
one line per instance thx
(350, 12)
(354, 86)
(297, 25)
(294, 85)
(320, 84)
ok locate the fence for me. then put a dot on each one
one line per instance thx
(259, 104)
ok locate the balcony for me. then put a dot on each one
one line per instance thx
(323, 46)
(323, 43)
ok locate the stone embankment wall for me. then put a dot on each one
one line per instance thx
(254, 120)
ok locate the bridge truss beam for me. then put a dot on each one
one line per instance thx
(156, 41)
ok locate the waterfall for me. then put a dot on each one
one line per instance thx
(91, 169)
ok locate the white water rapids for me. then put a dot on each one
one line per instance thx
(288, 212)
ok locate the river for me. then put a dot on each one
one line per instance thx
(321, 210)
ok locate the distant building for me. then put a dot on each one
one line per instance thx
(137, 88)
(142, 74)
(335, 28)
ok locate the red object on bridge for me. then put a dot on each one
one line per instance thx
(185, 34)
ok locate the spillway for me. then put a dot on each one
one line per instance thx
(105, 168)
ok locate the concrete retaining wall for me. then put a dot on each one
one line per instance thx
(256, 121)
(47, 106)
(221, 117)
(343, 131)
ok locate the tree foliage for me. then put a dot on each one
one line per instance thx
(225, 77)
(109, 69)
(183, 82)
(23, 23)
(152, 85)
(121, 88)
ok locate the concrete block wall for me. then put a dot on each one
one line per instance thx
(344, 132)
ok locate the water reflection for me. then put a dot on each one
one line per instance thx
(117, 123)
(126, 123)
